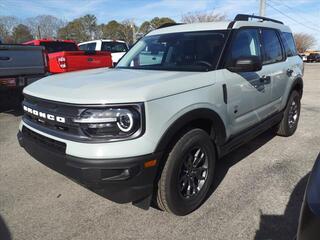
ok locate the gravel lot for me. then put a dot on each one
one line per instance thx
(256, 195)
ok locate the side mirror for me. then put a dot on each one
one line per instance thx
(245, 64)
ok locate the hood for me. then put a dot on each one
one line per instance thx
(115, 85)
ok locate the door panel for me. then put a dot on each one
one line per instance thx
(249, 93)
(275, 66)
(279, 80)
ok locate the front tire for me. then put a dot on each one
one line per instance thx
(187, 174)
(289, 122)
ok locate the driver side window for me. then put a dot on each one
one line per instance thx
(246, 43)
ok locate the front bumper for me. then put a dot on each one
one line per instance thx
(121, 180)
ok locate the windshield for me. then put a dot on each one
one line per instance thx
(52, 47)
(114, 47)
(185, 51)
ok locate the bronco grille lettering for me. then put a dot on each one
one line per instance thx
(44, 115)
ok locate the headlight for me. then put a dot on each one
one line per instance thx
(112, 123)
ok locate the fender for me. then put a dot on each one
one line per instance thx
(218, 127)
(297, 84)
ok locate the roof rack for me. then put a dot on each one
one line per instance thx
(168, 25)
(246, 17)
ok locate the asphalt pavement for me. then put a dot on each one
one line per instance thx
(257, 191)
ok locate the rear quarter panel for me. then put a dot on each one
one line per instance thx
(296, 64)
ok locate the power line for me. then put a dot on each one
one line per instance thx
(284, 14)
(291, 8)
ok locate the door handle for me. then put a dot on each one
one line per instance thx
(5, 58)
(265, 79)
(289, 72)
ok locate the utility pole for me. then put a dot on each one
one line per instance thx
(262, 9)
(134, 37)
(39, 32)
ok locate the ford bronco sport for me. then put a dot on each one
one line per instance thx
(182, 97)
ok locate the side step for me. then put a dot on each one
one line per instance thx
(249, 134)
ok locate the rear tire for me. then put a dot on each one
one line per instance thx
(187, 174)
(289, 122)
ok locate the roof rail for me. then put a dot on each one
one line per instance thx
(168, 25)
(246, 17)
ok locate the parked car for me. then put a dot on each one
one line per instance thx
(117, 47)
(313, 57)
(19, 66)
(65, 56)
(154, 129)
(303, 57)
(309, 222)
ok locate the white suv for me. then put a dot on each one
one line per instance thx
(153, 127)
(117, 47)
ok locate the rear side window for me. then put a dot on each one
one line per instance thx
(114, 47)
(272, 47)
(88, 47)
(289, 44)
(83, 47)
(245, 44)
(57, 46)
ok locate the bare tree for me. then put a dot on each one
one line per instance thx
(98, 34)
(194, 17)
(127, 31)
(89, 22)
(3, 31)
(8, 23)
(304, 41)
(45, 26)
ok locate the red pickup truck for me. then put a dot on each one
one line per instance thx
(65, 56)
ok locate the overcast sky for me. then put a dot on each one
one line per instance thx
(300, 15)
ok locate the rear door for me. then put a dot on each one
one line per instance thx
(275, 66)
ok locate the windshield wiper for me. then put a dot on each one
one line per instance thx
(191, 68)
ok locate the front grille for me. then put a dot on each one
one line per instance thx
(47, 142)
(67, 130)
(66, 111)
